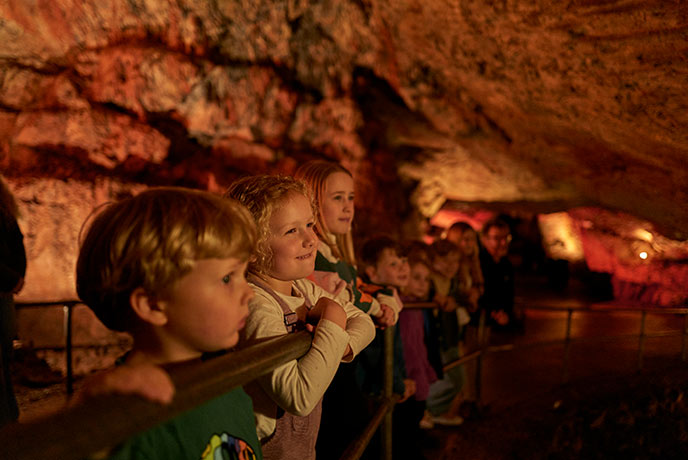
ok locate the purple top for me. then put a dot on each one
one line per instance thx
(418, 368)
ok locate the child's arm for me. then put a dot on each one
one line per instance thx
(393, 302)
(386, 317)
(298, 385)
(329, 281)
(145, 380)
(359, 326)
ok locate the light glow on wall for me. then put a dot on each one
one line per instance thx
(560, 238)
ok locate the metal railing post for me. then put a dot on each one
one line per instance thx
(479, 359)
(641, 340)
(67, 321)
(567, 347)
(387, 390)
(684, 342)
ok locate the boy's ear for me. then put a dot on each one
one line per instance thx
(147, 307)
(371, 272)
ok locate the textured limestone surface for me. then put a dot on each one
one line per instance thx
(545, 106)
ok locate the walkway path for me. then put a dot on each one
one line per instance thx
(523, 387)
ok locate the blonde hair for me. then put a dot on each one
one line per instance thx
(261, 195)
(8, 205)
(469, 264)
(150, 241)
(315, 173)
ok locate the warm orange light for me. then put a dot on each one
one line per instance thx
(643, 255)
(560, 238)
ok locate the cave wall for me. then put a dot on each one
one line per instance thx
(553, 106)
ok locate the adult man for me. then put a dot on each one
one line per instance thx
(498, 272)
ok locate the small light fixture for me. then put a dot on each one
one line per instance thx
(643, 255)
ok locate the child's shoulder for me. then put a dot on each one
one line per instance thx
(375, 289)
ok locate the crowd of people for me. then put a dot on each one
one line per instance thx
(189, 273)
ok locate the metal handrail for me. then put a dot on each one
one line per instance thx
(67, 307)
(484, 348)
(108, 420)
(195, 383)
(84, 429)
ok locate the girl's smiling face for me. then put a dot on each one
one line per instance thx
(337, 204)
(292, 241)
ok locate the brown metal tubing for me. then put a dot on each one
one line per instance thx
(67, 323)
(387, 392)
(420, 305)
(567, 348)
(358, 446)
(479, 360)
(546, 343)
(641, 340)
(41, 304)
(684, 337)
(84, 429)
(462, 360)
(600, 308)
(67, 307)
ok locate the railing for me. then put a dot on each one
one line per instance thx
(82, 430)
(67, 309)
(483, 348)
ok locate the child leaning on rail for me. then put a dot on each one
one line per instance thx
(168, 266)
(332, 188)
(287, 401)
(385, 271)
(413, 334)
(382, 272)
(447, 323)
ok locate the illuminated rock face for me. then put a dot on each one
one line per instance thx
(554, 105)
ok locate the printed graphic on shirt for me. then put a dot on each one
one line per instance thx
(227, 447)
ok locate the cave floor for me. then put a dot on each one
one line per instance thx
(523, 398)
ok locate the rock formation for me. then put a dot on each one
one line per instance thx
(512, 104)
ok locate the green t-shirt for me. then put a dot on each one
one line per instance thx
(223, 428)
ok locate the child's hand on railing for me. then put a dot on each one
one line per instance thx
(446, 303)
(501, 317)
(329, 281)
(144, 380)
(409, 389)
(386, 317)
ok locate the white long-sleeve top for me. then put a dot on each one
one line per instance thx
(298, 385)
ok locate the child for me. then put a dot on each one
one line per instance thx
(445, 394)
(470, 275)
(382, 268)
(412, 325)
(385, 272)
(168, 267)
(287, 400)
(332, 188)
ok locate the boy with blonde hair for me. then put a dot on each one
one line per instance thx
(168, 266)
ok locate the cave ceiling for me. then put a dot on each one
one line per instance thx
(551, 104)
